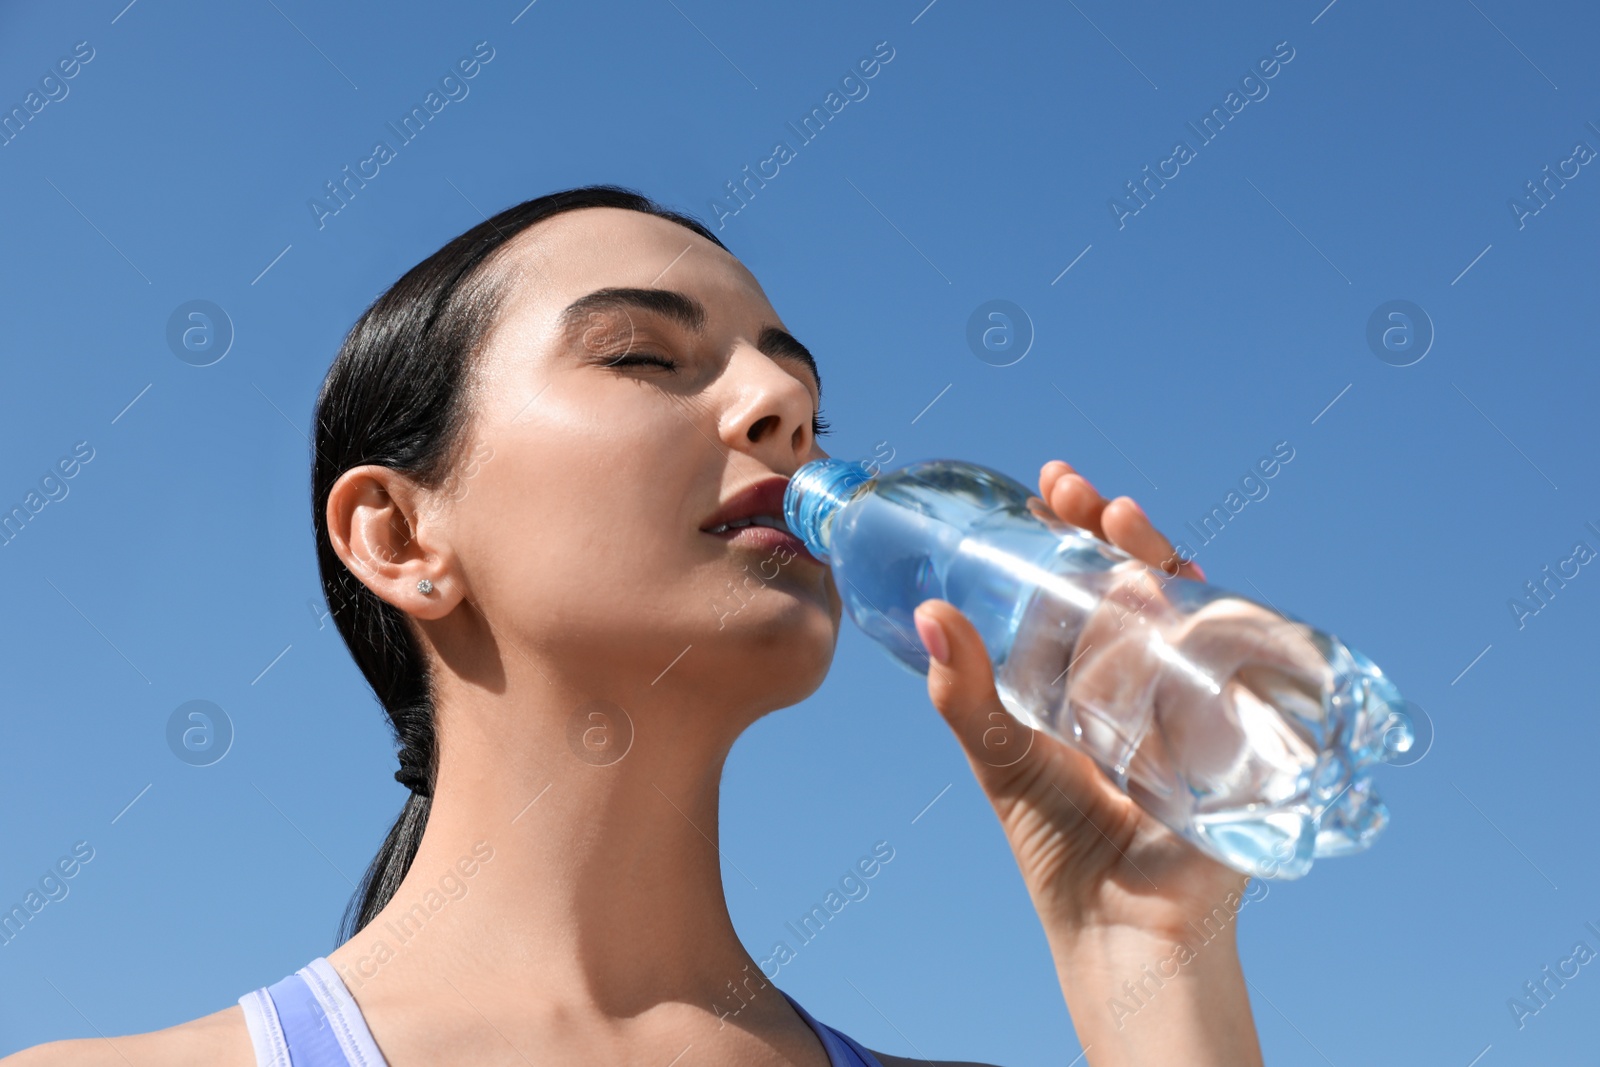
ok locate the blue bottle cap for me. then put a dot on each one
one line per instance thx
(816, 493)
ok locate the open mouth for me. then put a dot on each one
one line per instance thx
(753, 518)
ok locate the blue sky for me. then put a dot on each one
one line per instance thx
(1171, 348)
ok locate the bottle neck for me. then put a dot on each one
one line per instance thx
(816, 493)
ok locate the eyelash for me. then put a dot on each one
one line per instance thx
(819, 425)
(637, 358)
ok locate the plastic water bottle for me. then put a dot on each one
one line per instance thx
(1248, 732)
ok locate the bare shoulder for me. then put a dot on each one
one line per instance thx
(901, 1061)
(217, 1040)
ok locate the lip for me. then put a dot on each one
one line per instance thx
(765, 539)
(764, 498)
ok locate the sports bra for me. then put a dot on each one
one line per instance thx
(310, 1020)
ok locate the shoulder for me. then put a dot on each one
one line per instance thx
(217, 1040)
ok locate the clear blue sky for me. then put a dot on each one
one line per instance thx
(1183, 343)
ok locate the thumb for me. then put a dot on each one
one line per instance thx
(961, 685)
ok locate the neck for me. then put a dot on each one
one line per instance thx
(568, 855)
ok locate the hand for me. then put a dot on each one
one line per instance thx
(1116, 890)
(1092, 859)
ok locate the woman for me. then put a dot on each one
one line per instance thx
(528, 455)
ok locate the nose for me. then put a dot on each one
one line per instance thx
(770, 413)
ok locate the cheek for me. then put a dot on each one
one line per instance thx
(579, 512)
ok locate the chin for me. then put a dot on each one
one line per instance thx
(786, 652)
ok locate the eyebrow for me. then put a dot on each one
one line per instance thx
(779, 344)
(775, 343)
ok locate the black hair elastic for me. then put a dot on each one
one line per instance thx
(412, 773)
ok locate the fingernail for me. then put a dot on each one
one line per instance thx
(933, 638)
(1136, 506)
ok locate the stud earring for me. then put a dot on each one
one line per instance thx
(425, 587)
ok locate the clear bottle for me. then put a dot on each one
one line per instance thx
(1248, 732)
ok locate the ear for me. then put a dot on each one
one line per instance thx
(381, 526)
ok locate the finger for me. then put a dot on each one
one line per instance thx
(1130, 529)
(961, 686)
(1080, 503)
(1077, 501)
(1051, 473)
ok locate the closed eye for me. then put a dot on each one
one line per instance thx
(641, 359)
(819, 424)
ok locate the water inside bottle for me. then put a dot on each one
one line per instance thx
(1252, 733)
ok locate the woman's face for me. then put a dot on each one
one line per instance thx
(607, 433)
